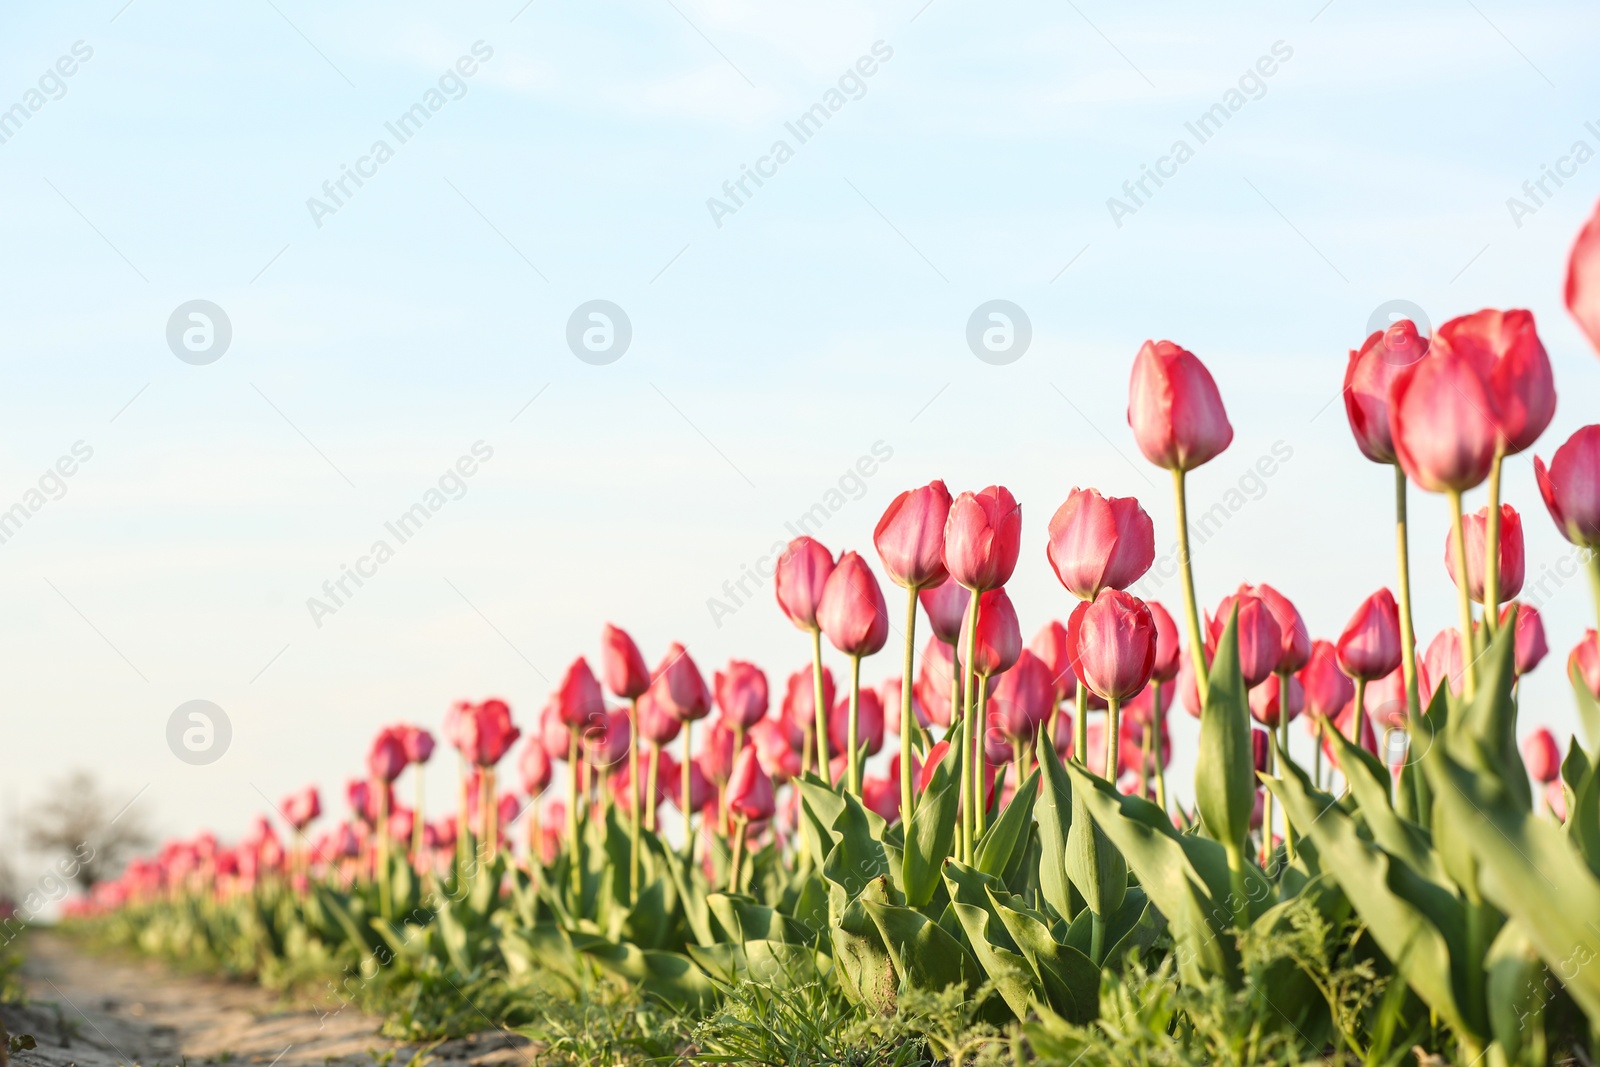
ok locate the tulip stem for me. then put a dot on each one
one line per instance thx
(853, 729)
(972, 785)
(1594, 585)
(1160, 716)
(1113, 735)
(740, 825)
(1491, 550)
(491, 816)
(819, 706)
(416, 819)
(651, 787)
(576, 874)
(1239, 896)
(1019, 757)
(955, 689)
(1080, 728)
(1469, 675)
(1283, 747)
(1097, 938)
(1408, 633)
(907, 718)
(385, 907)
(634, 800)
(685, 784)
(980, 765)
(1144, 759)
(1197, 645)
(462, 842)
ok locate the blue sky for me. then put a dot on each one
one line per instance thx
(826, 315)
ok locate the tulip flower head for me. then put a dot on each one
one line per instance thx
(999, 636)
(679, 688)
(1583, 280)
(1385, 699)
(852, 613)
(932, 690)
(1512, 559)
(418, 743)
(1443, 662)
(1169, 649)
(1367, 378)
(387, 757)
(869, 724)
(741, 693)
(579, 696)
(621, 664)
(1023, 698)
(750, 795)
(910, 536)
(301, 807)
(800, 701)
(534, 765)
(1113, 639)
(1584, 662)
(1542, 755)
(1369, 648)
(656, 723)
(1265, 706)
(1570, 487)
(1531, 647)
(1439, 417)
(1175, 409)
(486, 733)
(1050, 645)
(778, 757)
(946, 605)
(1296, 639)
(1099, 542)
(982, 538)
(802, 572)
(1260, 638)
(1511, 361)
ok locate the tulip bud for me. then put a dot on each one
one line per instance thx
(1023, 698)
(1444, 436)
(946, 605)
(882, 796)
(1542, 755)
(622, 664)
(1265, 706)
(1556, 798)
(932, 691)
(1168, 648)
(1583, 280)
(1296, 639)
(1260, 749)
(982, 538)
(1113, 639)
(800, 700)
(852, 613)
(1443, 662)
(1367, 378)
(778, 757)
(418, 743)
(486, 733)
(910, 536)
(580, 697)
(741, 693)
(1174, 408)
(869, 723)
(1386, 701)
(802, 571)
(535, 767)
(1186, 686)
(1099, 543)
(1570, 487)
(656, 723)
(750, 794)
(1261, 641)
(1505, 348)
(1531, 646)
(1584, 661)
(1369, 648)
(936, 756)
(679, 688)
(999, 636)
(387, 758)
(1475, 533)
(1050, 645)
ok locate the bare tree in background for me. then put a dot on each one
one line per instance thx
(76, 812)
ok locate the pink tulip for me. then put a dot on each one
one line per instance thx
(910, 536)
(1023, 698)
(1099, 543)
(741, 693)
(1556, 798)
(1260, 638)
(1505, 348)
(1542, 755)
(1585, 661)
(605, 738)
(852, 613)
(1260, 748)
(701, 790)
(300, 808)
(579, 695)
(882, 796)
(1367, 378)
(1475, 532)
(925, 772)
(621, 664)
(418, 743)
(800, 701)
(535, 767)
(869, 724)
(1583, 280)
(749, 795)
(1186, 686)
(486, 732)
(946, 606)
(932, 690)
(778, 757)
(1296, 639)
(401, 823)
(1443, 662)
(982, 538)
(679, 688)
(802, 571)
(1531, 647)
(1385, 699)
(1175, 409)
(387, 757)
(1050, 645)
(657, 724)
(1439, 416)
(999, 635)
(1264, 703)
(889, 693)
(554, 735)
(717, 752)
(1571, 487)
(1168, 648)
(1114, 641)
(1369, 648)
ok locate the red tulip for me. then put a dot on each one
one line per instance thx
(1531, 647)
(741, 693)
(1585, 660)
(1367, 378)
(1542, 755)
(717, 752)
(1342, 723)
(889, 693)
(1439, 416)
(1369, 648)
(1556, 798)
(925, 772)
(1443, 662)
(1296, 639)
(778, 757)
(1186, 686)
(302, 807)
(678, 686)
(1385, 699)
(701, 789)
(1099, 543)
(1175, 409)
(487, 732)
(1583, 280)
(1168, 648)
(800, 700)
(1571, 487)
(1505, 348)
(946, 606)
(1260, 748)
(364, 798)
(1023, 698)
(869, 724)
(401, 823)
(1475, 532)
(418, 743)
(387, 757)
(1264, 705)
(982, 538)
(605, 738)
(1261, 641)
(750, 794)
(1327, 689)
(656, 723)
(622, 665)
(882, 796)
(535, 767)
(910, 536)
(802, 571)
(999, 635)
(579, 695)
(852, 613)
(932, 690)
(554, 734)
(1114, 641)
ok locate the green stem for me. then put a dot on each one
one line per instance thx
(741, 824)
(652, 787)
(1469, 674)
(385, 906)
(685, 784)
(417, 820)
(1408, 633)
(1197, 644)
(853, 732)
(1113, 735)
(1491, 551)
(1594, 584)
(1080, 728)
(636, 801)
(1283, 746)
(980, 760)
(1097, 939)
(973, 784)
(575, 875)
(1239, 895)
(1146, 743)
(1160, 717)
(908, 721)
(955, 689)
(817, 697)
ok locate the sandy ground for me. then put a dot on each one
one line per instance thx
(96, 1011)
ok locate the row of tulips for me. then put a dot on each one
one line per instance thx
(1020, 839)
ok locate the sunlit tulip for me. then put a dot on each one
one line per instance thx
(1443, 663)
(999, 637)
(946, 605)
(679, 688)
(1260, 638)
(1542, 755)
(852, 612)
(750, 795)
(1174, 408)
(1098, 542)
(656, 723)
(778, 757)
(1385, 699)
(300, 808)
(1367, 378)
(579, 695)
(925, 772)
(869, 724)
(1570, 487)
(936, 673)
(1556, 798)
(1512, 560)
(605, 739)
(1023, 698)
(910, 536)
(402, 821)
(882, 796)
(1439, 416)
(534, 765)
(1169, 650)
(418, 743)
(1583, 279)
(1265, 706)
(1050, 645)
(1505, 348)
(1531, 647)
(799, 699)
(982, 538)
(741, 693)
(717, 751)
(387, 757)
(487, 733)
(1114, 641)
(1186, 686)
(1584, 660)
(554, 735)
(1296, 639)
(621, 664)
(802, 571)
(1369, 647)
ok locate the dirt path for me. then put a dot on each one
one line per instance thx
(95, 1011)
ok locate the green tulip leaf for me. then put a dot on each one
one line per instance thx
(863, 965)
(1069, 979)
(1588, 706)
(933, 830)
(1580, 781)
(1517, 993)
(1008, 835)
(1225, 781)
(925, 957)
(1369, 784)
(1055, 820)
(1093, 863)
